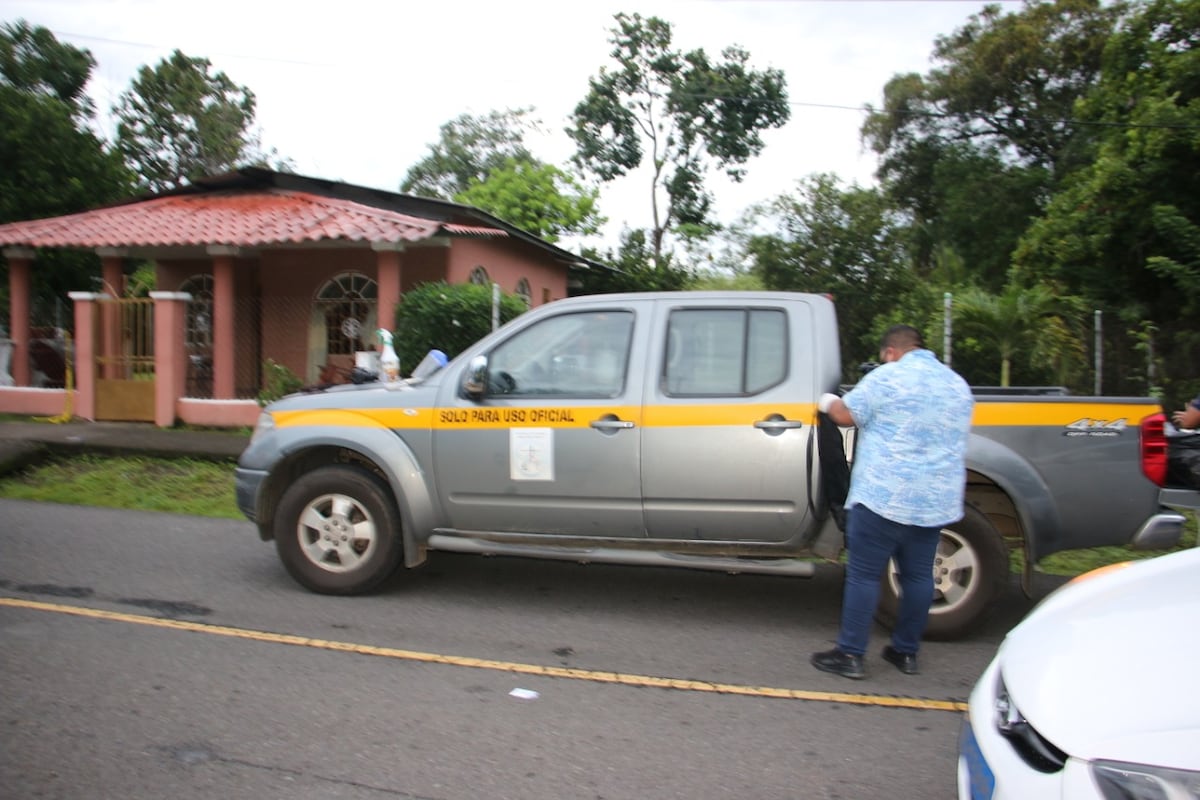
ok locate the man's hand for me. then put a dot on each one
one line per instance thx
(835, 408)
(826, 401)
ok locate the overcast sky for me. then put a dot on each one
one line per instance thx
(356, 90)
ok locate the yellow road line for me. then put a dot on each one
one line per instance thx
(624, 679)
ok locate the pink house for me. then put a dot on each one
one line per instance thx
(249, 266)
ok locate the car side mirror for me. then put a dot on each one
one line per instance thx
(474, 381)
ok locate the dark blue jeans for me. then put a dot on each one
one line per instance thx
(871, 540)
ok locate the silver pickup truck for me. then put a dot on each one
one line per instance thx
(671, 429)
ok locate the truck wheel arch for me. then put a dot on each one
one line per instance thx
(395, 465)
(998, 479)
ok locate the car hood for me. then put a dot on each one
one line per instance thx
(1109, 666)
(351, 397)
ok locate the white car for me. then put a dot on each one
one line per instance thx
(1096, 694)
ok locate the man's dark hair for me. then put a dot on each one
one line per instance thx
(902, 337)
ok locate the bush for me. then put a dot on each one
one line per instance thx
(447, 318)
(278, 381)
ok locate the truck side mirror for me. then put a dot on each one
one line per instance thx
(474, 381)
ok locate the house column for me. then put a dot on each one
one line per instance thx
(112, 270)
(20, 294)
(85, 353)
(223, 321)
(170, 354)
(387, 281)
(112, 281)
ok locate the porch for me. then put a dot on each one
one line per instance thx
(249, 267)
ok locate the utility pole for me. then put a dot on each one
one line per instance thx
(947, 327)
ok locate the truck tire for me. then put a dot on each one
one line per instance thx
(970, 571)
(337, 531)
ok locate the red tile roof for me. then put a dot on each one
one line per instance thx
(239, 219)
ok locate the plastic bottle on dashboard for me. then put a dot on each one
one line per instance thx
(389, 362)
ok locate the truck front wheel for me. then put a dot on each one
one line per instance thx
(970, 572)
(337, 532)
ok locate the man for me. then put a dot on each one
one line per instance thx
(913, 416)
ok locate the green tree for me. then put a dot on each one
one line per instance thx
(53, 163)
(468, 150)
(1003, 81)
(33, 61)
(632, 269)
(539, 198)
(1034, 322)
(1123, 231)
(974, 149)
(844, 242)
(483, 161)
(181, 121)
(677, 113)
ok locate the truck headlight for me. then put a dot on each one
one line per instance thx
(265, 424)
(1119, 781)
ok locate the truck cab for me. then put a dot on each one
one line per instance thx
(649, 428)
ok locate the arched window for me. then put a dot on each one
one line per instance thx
(199, 311)
(524, 292)
(479, 277)
(347, 304)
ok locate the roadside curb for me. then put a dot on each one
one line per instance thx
(23, 444)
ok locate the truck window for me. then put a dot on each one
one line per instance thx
(729, 352)
(572, 355)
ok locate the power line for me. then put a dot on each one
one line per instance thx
(145, 46)
(698, 95)
(944, 115)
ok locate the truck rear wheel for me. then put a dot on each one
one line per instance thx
(970, 572)
(337, 532)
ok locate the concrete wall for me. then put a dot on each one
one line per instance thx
(217, 413)
(33, 402)
(507, 261)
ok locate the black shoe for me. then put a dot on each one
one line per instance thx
(840, 663)
(905, 662)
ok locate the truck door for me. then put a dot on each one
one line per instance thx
(554, 446)
(726, 423)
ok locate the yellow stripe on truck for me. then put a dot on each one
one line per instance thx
(725, 414)
(356, 418)
(484, 417)
(1045, 414)
(1060, 414)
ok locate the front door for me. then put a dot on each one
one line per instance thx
(554, 446)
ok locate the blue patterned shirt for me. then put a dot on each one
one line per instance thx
(913, 417)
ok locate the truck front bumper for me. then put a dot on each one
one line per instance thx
(246, 484)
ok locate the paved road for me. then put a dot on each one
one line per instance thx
(151, 655)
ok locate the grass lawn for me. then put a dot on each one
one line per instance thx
(205, 488)
(181, 486)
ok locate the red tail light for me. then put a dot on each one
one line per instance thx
(1154, 448)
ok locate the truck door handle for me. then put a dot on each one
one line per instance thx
(777, 423)
(610, 423)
